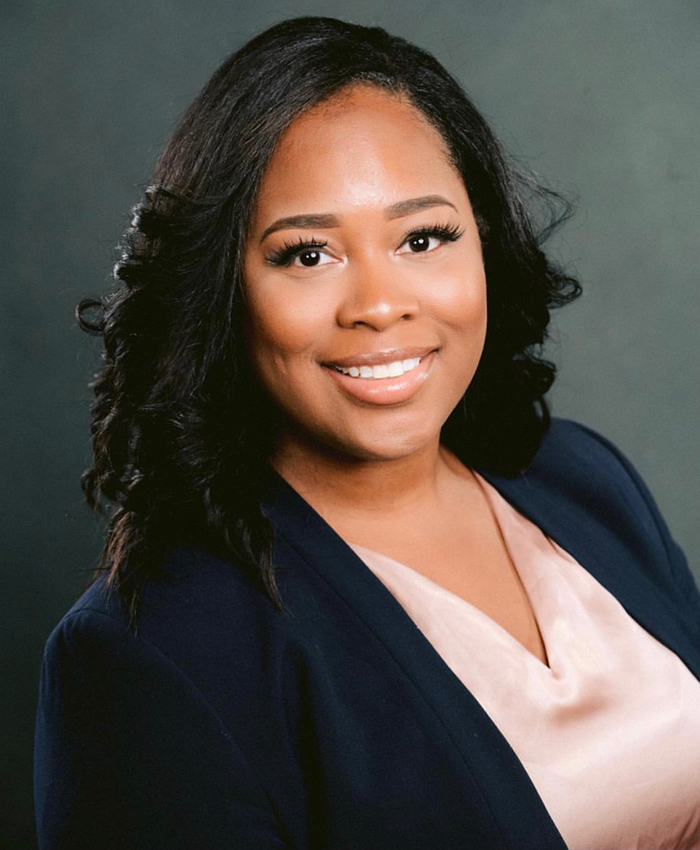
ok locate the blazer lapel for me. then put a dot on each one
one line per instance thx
(597, 547)
(492, 770)
(632, 572)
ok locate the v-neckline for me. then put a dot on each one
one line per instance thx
(561, 506)
(488, 757)
(463, 604)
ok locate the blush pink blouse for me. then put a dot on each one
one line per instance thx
(609, 732)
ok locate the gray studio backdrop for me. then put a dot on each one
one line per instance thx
(600, 97)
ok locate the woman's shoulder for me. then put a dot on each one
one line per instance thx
(190, 577)
(584, 465)
(573, 445)
(585, 492)
(192, 618)
(583, 470)
(114, 703)
(582, 488)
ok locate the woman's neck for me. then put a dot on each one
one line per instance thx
(339, 487)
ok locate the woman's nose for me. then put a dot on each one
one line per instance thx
(377, 296)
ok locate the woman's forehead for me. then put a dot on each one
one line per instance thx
(363, 146)
(354, 105)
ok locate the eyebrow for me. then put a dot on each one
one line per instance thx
(328, 220)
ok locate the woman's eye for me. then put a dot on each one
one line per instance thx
(309, 258)
(422, 241)
(300, 254)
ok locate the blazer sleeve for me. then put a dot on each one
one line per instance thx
(681, 574)
(129, 754)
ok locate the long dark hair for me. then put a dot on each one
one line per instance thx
(181, 430)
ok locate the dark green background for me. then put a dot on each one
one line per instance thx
(601, 97)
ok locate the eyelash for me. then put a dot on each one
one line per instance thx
(290, 250)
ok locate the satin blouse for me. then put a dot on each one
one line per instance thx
(609, 729)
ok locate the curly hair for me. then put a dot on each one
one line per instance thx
(181, 429)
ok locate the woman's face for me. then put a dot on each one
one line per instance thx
(364, 280)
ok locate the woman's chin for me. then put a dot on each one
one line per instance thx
(372, 447)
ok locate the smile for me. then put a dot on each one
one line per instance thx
(378, 384)
(384, 370)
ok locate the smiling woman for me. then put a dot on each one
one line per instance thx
(358, 590)
(363, 255)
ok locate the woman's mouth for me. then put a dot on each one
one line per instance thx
(389, 370)
(391, 381)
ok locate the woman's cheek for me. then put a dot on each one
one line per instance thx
(295, 320)
(289, 319)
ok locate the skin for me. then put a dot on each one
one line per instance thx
(374, 467)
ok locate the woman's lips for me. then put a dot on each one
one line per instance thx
(392, 389)
(388, 355)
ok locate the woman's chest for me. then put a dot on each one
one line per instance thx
(467, 555)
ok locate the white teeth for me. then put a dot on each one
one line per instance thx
(385, 370)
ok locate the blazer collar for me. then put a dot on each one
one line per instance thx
(521, 819)
(599, 549)
(487, 755)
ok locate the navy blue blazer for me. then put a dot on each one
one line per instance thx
(225, 724)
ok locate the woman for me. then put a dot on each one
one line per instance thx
(358, 591)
